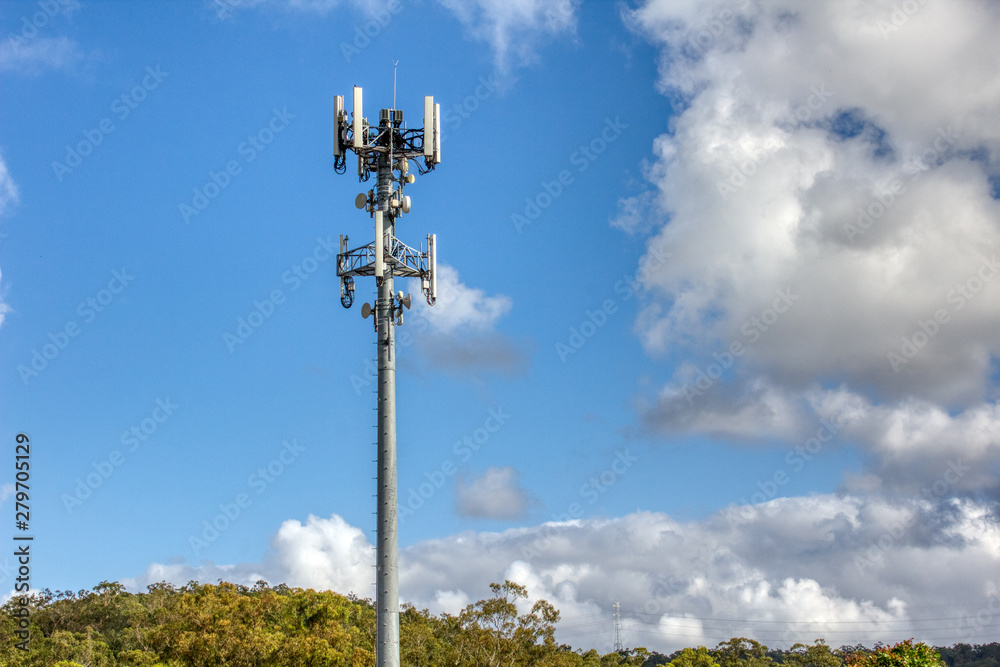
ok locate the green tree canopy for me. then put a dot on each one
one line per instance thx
(903, 654)
(695, 657)
(817, 655)
(741, 652)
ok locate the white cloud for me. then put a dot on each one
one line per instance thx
(919, 445)
(459, 306)
(782, 224)
(514, 27)
(840, 153)
(793, 570)
(326, 554)
(38, 55)
(638, 215)
(758, 411)
(457, 333)
(915, 443)
(849, 569)
(496, 494)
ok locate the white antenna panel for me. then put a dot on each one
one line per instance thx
(437, 134)
(358, 122)
(429, 126)
(432, 263)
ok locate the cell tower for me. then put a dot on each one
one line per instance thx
(387, 151)
(618, 628)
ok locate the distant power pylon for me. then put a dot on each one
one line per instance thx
(618, 628)
(386, 150)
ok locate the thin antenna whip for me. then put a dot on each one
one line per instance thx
(394, 64)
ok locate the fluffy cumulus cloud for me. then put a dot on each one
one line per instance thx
(496, 494)
(847, 568)
(513, 28)
(458, 333)
(459, 306)
(830, 187)
(325, 554)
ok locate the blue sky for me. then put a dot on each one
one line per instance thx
(686, 349)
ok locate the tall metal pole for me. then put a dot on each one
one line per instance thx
(618, 628)
(386, 150)
(387, 537)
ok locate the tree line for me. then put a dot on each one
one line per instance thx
(209, 625)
